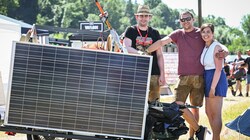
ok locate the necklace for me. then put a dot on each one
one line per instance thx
(142, 38)
(207, 46)
(204, 57)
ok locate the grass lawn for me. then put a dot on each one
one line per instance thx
(232, 108)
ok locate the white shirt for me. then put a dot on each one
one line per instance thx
(207, 56)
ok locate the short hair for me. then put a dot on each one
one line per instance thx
(209, 25)
(186, 12)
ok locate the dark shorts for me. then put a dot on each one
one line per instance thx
(230, 82)
(221, 88)
(248, 78)
(193, 86)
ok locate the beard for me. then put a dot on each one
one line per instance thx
(145, 24)
(187, 26)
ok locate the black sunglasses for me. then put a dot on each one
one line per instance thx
(185, 19)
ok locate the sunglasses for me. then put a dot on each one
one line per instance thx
(185, 19)
(141, 16)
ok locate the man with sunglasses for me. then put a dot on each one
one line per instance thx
(137, 39)
(190, 70)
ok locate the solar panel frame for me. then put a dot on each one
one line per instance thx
(53, 72)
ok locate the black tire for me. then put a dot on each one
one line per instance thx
(29, 137)
(40, 137)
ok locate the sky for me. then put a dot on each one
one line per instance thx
(231, 10)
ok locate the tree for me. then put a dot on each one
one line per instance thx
(217, 21)
(246, 24)
(125, 23)
(116, 10)
(62, 13)
(164, 16)
(222, 35)
(27, 11)
(68, 13)
(3, 7)
(152, 3)
(129, 12)
(12, 6)
(48, 12)
(165, 31)
(20, 9)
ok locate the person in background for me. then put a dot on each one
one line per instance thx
(247, 61)
(137, 39)
(215, 79)
(228, 72)
(240, 67)
(247, 64)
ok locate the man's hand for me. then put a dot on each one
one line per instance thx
(104, 16)
(162, 80)
(221, 54)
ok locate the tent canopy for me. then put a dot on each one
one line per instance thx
(10, 26)
(24, 26)
(241, 124)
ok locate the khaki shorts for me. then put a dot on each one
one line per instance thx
(193, 86)
(154, 93)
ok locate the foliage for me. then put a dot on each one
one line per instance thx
(129, 12)
(164, 16)
(217, 21)
(165, 31)
(12, 6)
(68, 13)
(117, 7)
(126, 23)
(152, 3)
(246, 24)
(3, 7)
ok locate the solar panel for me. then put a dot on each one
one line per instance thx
(75, 90)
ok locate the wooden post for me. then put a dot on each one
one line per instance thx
(199, 13)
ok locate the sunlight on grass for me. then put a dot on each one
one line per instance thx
(232, 108)
(232, 112)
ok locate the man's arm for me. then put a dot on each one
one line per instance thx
(128, 44)
(160, 59)
(158, 44)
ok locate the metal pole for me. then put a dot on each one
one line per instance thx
(199, 13)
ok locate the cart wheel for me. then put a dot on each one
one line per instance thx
(35, 137)
(29, 137)
(40, 137)
(149, 135)
(69, 133)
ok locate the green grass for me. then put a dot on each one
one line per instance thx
(229, 114)
(232, 108)
(232, 112)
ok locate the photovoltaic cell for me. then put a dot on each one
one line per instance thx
(60, 88)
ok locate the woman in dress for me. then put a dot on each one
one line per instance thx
(215, 79)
